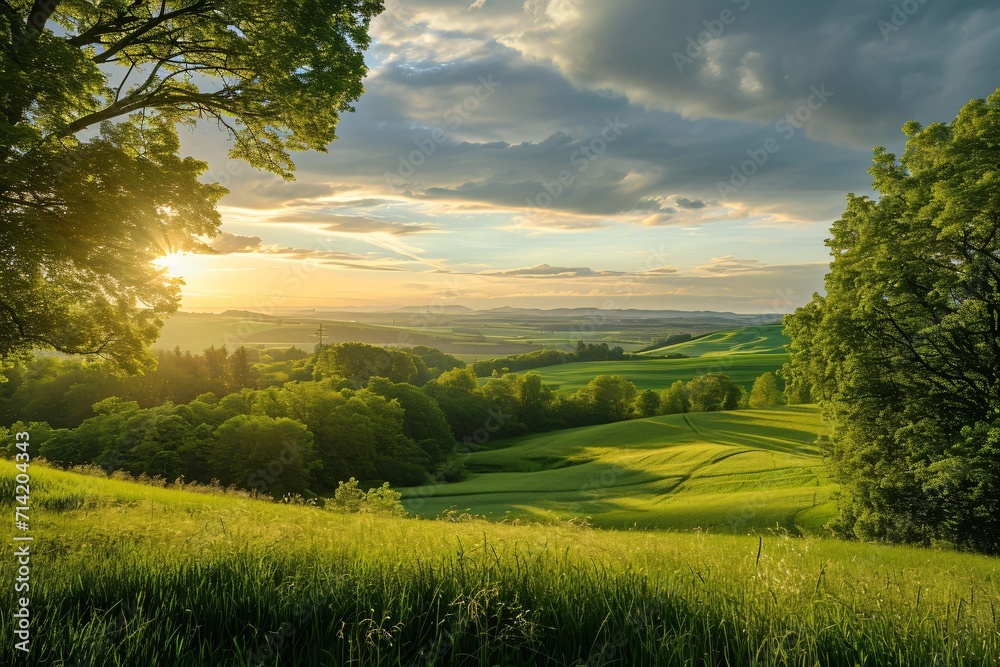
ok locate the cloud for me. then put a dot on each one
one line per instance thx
(227, 244)
(425, 153)
(729, 264)
(350, 224)
(549, 271)
(661, 271)
(686, 203)
(758, 61)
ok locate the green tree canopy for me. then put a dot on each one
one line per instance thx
(271, 455)
(713, 392)
(904, 349)
(674, 400)
(92, 188)
(607, 398)
(765, 392)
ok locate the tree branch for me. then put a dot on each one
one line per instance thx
(39, 15)
(152, 23)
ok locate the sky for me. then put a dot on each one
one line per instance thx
(650, 154)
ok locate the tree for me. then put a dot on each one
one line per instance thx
(607, 398)
(271, 455)
(765, 392)
(674, 401)
(713, 392)
(647, 404)
(423, 420)
(903, 352)
(361, 362)
(92, 189)
(462, 401)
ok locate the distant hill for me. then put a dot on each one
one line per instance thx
(437, 310)
(751, 340)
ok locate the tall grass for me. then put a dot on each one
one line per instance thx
(138, 575)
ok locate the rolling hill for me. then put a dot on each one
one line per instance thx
(724, 472)
(767, 339)
(743, 354)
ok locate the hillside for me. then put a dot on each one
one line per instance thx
(126, 574)
(743, 354)
(767, 339)
(723, 471)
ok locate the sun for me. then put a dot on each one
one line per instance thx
(177, 263)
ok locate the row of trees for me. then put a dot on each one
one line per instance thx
(549, 357)
(715, 392)
(306, 436)
(62, 391)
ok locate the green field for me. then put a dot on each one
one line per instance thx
(475, 335)
(123, 574)
(767, 339)
(742, 354)
(722, 471)
(195, 332)
(659, 374)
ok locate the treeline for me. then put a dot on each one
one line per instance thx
(62, 391)
(354, 411)
(300, 438)
(543, 358)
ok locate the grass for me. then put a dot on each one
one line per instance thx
(742, 354)
(768, 339)
(724, 471)
(659, 374)
(124, 574)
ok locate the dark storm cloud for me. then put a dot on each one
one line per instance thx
(489, 107)
(753, 60)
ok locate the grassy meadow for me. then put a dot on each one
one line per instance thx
(743, 354)
(126, 574)
(766, 339)
(720, 471)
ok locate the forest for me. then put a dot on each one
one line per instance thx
(285, 421)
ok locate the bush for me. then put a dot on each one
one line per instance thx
(349, 499)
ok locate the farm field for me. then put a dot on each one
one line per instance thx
(658, 374)
(768, 339)
(722, 472)
(127, 574)
(475, 336)
(743, 354)
(195, 332)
